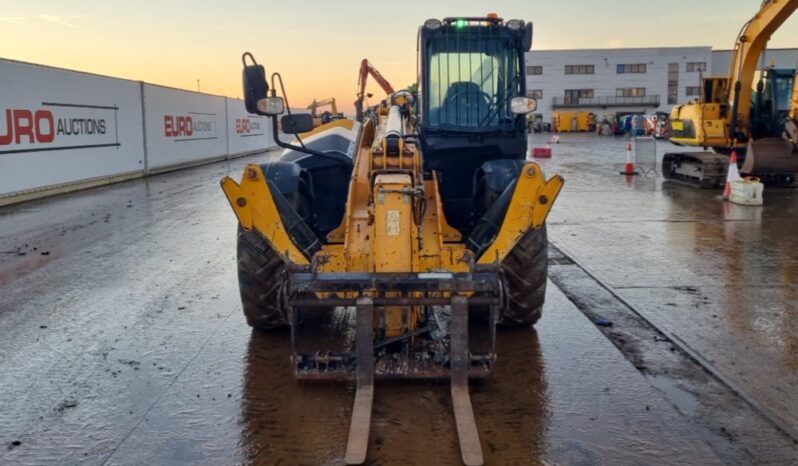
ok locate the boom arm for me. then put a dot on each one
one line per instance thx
(316, 104)
(366, 69)
(750, 44)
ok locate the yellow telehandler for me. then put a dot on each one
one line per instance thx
(424, 221)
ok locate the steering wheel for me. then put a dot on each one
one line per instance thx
(469, 103)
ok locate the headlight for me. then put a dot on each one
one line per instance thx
(523, 105)
(432, 24)
(271, 106)
(515, 24)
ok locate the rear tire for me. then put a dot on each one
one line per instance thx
(525, 272)
(261, 275)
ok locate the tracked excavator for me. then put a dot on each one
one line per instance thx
(731, 116)
(326, 116)
(424, 223)
(366, 70)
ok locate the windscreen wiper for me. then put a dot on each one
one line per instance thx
(500, 103)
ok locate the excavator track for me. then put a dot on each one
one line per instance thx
(705, 170)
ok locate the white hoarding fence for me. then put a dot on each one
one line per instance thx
(246, 133)
(182, 127)
(59, 127)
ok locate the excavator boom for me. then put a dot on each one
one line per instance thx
(366, 69)
(317, 104)
(748, 49)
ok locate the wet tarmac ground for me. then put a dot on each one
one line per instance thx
(123, 340)
(719, 278)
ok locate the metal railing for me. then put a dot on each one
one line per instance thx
(608, 101)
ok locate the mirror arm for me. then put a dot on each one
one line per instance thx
(285, 145)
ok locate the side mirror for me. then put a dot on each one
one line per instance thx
(255, 85)
(526, 38)
(523, 105)
(296, 123)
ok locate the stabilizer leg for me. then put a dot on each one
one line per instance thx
(357, 445)
(470, 448)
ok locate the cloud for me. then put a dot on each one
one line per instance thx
(13, 19)
(55, 19)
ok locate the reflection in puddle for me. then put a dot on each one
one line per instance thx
(288, 421)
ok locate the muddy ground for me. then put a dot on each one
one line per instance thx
(123, 340)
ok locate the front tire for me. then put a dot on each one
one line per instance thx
(261, 275)
(524, 276)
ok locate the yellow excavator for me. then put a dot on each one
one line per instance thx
(366, 70)
(731, 116)
(791, 125)
(327, 116)
(422, 224)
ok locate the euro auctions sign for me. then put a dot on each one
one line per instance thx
(192, 126)
(248, 127)
(55, 126)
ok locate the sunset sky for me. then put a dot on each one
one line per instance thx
(317, 45)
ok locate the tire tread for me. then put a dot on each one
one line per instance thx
(525, 272)
(261, 273)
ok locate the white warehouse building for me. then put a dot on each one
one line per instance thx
(628, 80)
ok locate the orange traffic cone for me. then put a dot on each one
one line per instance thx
(630, 162)
(732, 176)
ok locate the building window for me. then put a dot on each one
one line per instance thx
(533, 70)
(572, 96)
(696, 66)
(633, 68)
(580, 69)
(693, 90)
(536, 94)
(673, 83)
(631, 92)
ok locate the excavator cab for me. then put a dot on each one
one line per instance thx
(770, 155)
(772, 102)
